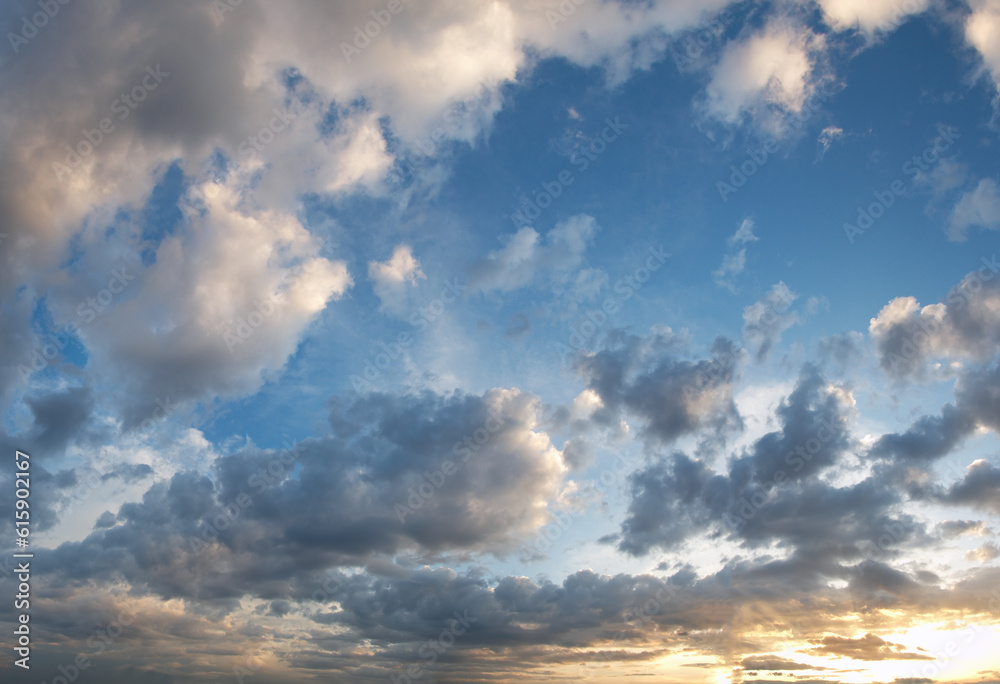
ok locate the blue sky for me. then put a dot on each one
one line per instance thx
(613, 247)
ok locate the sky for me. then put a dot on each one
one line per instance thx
(491, 341)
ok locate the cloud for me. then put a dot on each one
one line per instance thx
(956, 528)
(766, 319)
(827, 137)
(980, 488)
(976, 406)
(984, 554)
(870, 17)
(979, 208)
(982, 30)
(770, 69)
(772, 662)
(867, 647)
(391, 277)
(419, 474)
(842, 348)
(965, 325)
(226, 302)
(734, 262)
(525, 259)
(58, 418)
(648, 377)
(758, 499)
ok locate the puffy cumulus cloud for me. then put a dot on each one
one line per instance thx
(964, 326)
(982, 30)
(280, 98)
(649, 376)
(524, 256)
(391, 277)
(870, 16)
(773, 69)
(766, 319)
(979, 208)
(423, 474)
(769, 492)
(226, 301)
(78, 79)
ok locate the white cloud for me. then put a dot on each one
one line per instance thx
(225, 303)
(870, 16)
(770, 69)
(828, 135)
(766, 319)
(982, 30)
(979, 208)
(391, 277)
(734, 262)
(524, 258)
(744, 233)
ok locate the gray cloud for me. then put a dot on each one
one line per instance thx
(649, 377)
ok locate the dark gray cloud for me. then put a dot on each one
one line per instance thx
(980, 488)
(769, 491)
(425, 473)
(58, 418)
(977, 404)
(648, 376)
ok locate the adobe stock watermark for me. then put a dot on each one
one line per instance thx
(123, 105)
(545, 193)
(919, 163)
(625, 288)
(564, 11)
(39, 20)
(362, 39)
